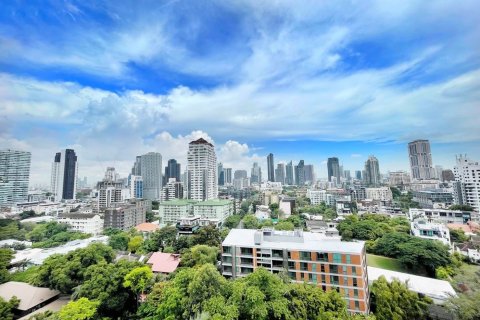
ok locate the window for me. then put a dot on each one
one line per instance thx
(344, 269)
(291, 265)
(322, 268)
(248, 261)
(348, 258)
(334, 280)
(337, 258)
(303, 266)
(289, 254)
(227, 259)
(357, 305)
(227, 249)
(305, 255)
(277, 253)
(306, 277)
(347, 292)
(354, 271)
(246, 251)
(355, 293)
(333, 268)
(322, 256)
(355, 284)
(292, 275)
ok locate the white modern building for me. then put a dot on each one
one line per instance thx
(213, 209)
(398, 178)
(64, 175)
(380, 194)
(151, 171)
(441, 215)
(421, 160)
(263, 212)
(432, 231)
(172, 190)
(14, 176)
(82, 222)
(135, 184)
(467, 182)
(172, 211)
(202, 171)
(110, 192)
(318, 196)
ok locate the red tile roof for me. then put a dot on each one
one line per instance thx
(164, 262)
(147, 227)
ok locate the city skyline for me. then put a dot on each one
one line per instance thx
(254, 77)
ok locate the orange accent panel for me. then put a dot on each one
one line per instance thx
(356, 259)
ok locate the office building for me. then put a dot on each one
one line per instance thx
(300, 173)
(289, 175)
(333, 168)
(202, 171)
(256, 174)
(125, 216)
(64, 175)
(151, 169)
(137, 166)
(280, 173)
(467, 182)
(14, 176)
(227, 173)
(220, 174)
(270, 168)
(172, 190)
(347, 175)
(89, 223)
(309, 174)
(135, 184)
(372, 172)
(241, 183)
(240, 174)
(421, 160)
(358, 175)
(172, 170)
(315, 258)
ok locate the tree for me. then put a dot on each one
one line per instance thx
(6, 256)
(165, 237)
(458, 235)
(209, 235)
(284, 225)
(119, 241)
(155, 205)
(199, 255)
(150, 216)
(27, 214)
(273, 206)
(82, 309)
(232, 221)
(465, 306)
(393, 300)
(250, 222)
(462, 207)
(135, 243)
(7, 307)
(138, 280)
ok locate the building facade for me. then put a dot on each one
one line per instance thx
(214, 209)
(172, 170)
(420, 157)
(280, 173)
(289, 175)
(467, 182)
(151, 170)
(380, 194)
(64, 175)
(227, 172)
(135, 184)
(172, 190)
(256, 174)
(82, 222)
(433, 198)
(333, 169)
(125, 216)
(270, 168)
(300, 173)
(14, 176)
(202, 171)
(372, 172)
(315, 258)
(172, 211)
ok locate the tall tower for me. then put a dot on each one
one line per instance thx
(220, 174)
(202, 171)
(333, 168)
(280, 173)
(300, 173)
(466, 187)
(151, 169)
(256, 174)
(270, 168)
(64, 175)
(421, 160)
(172, 170)
(372, 172)
(14, 176)
(289, 176)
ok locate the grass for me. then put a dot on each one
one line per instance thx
(384, 263)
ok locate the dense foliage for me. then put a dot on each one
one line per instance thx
(371, 226)
(320, 209)
(405, 201)
(52, 234)
(6, 308)
(463, 207)
(5, 256)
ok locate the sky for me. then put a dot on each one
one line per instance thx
(301, 79)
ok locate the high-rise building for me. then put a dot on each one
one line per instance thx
(270, 168)
(220, 174)
(421, 160)
(300, 173)
(172, 170)
(202, 171)
(14, 176)
(333, 168)
(151, 169)
(372, 172)
(280, 173)
(309, 174)
(110, 174)
(256, 174)
(137, 166)
(172, 190)
(467, 185)
(447, 175)
(227, 173)
(398, 178)
(240, 174)
(110, 192)
(64, 175)
(347, 175)
(135, 184)
(358, 174)
(289, 176)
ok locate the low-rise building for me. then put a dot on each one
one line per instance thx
(315, 258)
(190, 225)
(82, 222)
(173, 210)
(431, 231)
(318, 196)
(165, 263)
(125, 216)
(263, 212)
(433, 198)
(441, 215)
(379, 194)
(213, 209)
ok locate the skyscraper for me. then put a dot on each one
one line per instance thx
(227, 176)
(372, 172)
(64, 175)
(358, 174)
(202, 171)
(271, 168)
(137, 166)
(466, 187)
(14, 176)
(300, 173)
(421, 160)
(151, 169)
(220, 174)
(240, 174)
(280, 173)
(172, 170)
(309, 174)
(256, 174)
(289, 176)
(333, 168)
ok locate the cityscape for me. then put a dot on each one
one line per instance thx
(239, 160)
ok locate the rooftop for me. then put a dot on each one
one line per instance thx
(147, 227)
(216, 202)
(293, 240)
(201, 141)
(77, 215)
(29, 295)
(177, 202)
(164, 262)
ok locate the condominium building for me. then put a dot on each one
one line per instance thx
(64, 175)
(202, 171)
(270, 168)
(372, 172)
(172, 170)
(315, 258)
(318, 196)
(172, 211)
(240, 174)
(398, 178)
(213, 209)
(110, 192)
(256, 174)
(433, 198)
(333, 169)
(431, 231)
(172, 190)
(380, 194)
(227, 173)
(289, 175)
(14, 176)
(280, 173)
(442, 215)
(82, 222)
(467, 182)
(421, 160)
(135, 184)
(125, 216)
(151, 171)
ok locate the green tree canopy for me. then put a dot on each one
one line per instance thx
(119, 241)
(250, 222)
(199, 255)
(7, 307)
(82, 309)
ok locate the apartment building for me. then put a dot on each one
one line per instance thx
(82, 222)
(431, 231)
(171, 211)
(213, 209)
(125, 216)
(315, 258)
(442, 215)
(379, 194)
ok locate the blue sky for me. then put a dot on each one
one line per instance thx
(302, 79)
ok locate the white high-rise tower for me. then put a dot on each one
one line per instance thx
(202, 171)
(14, 176)
(467, 182)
